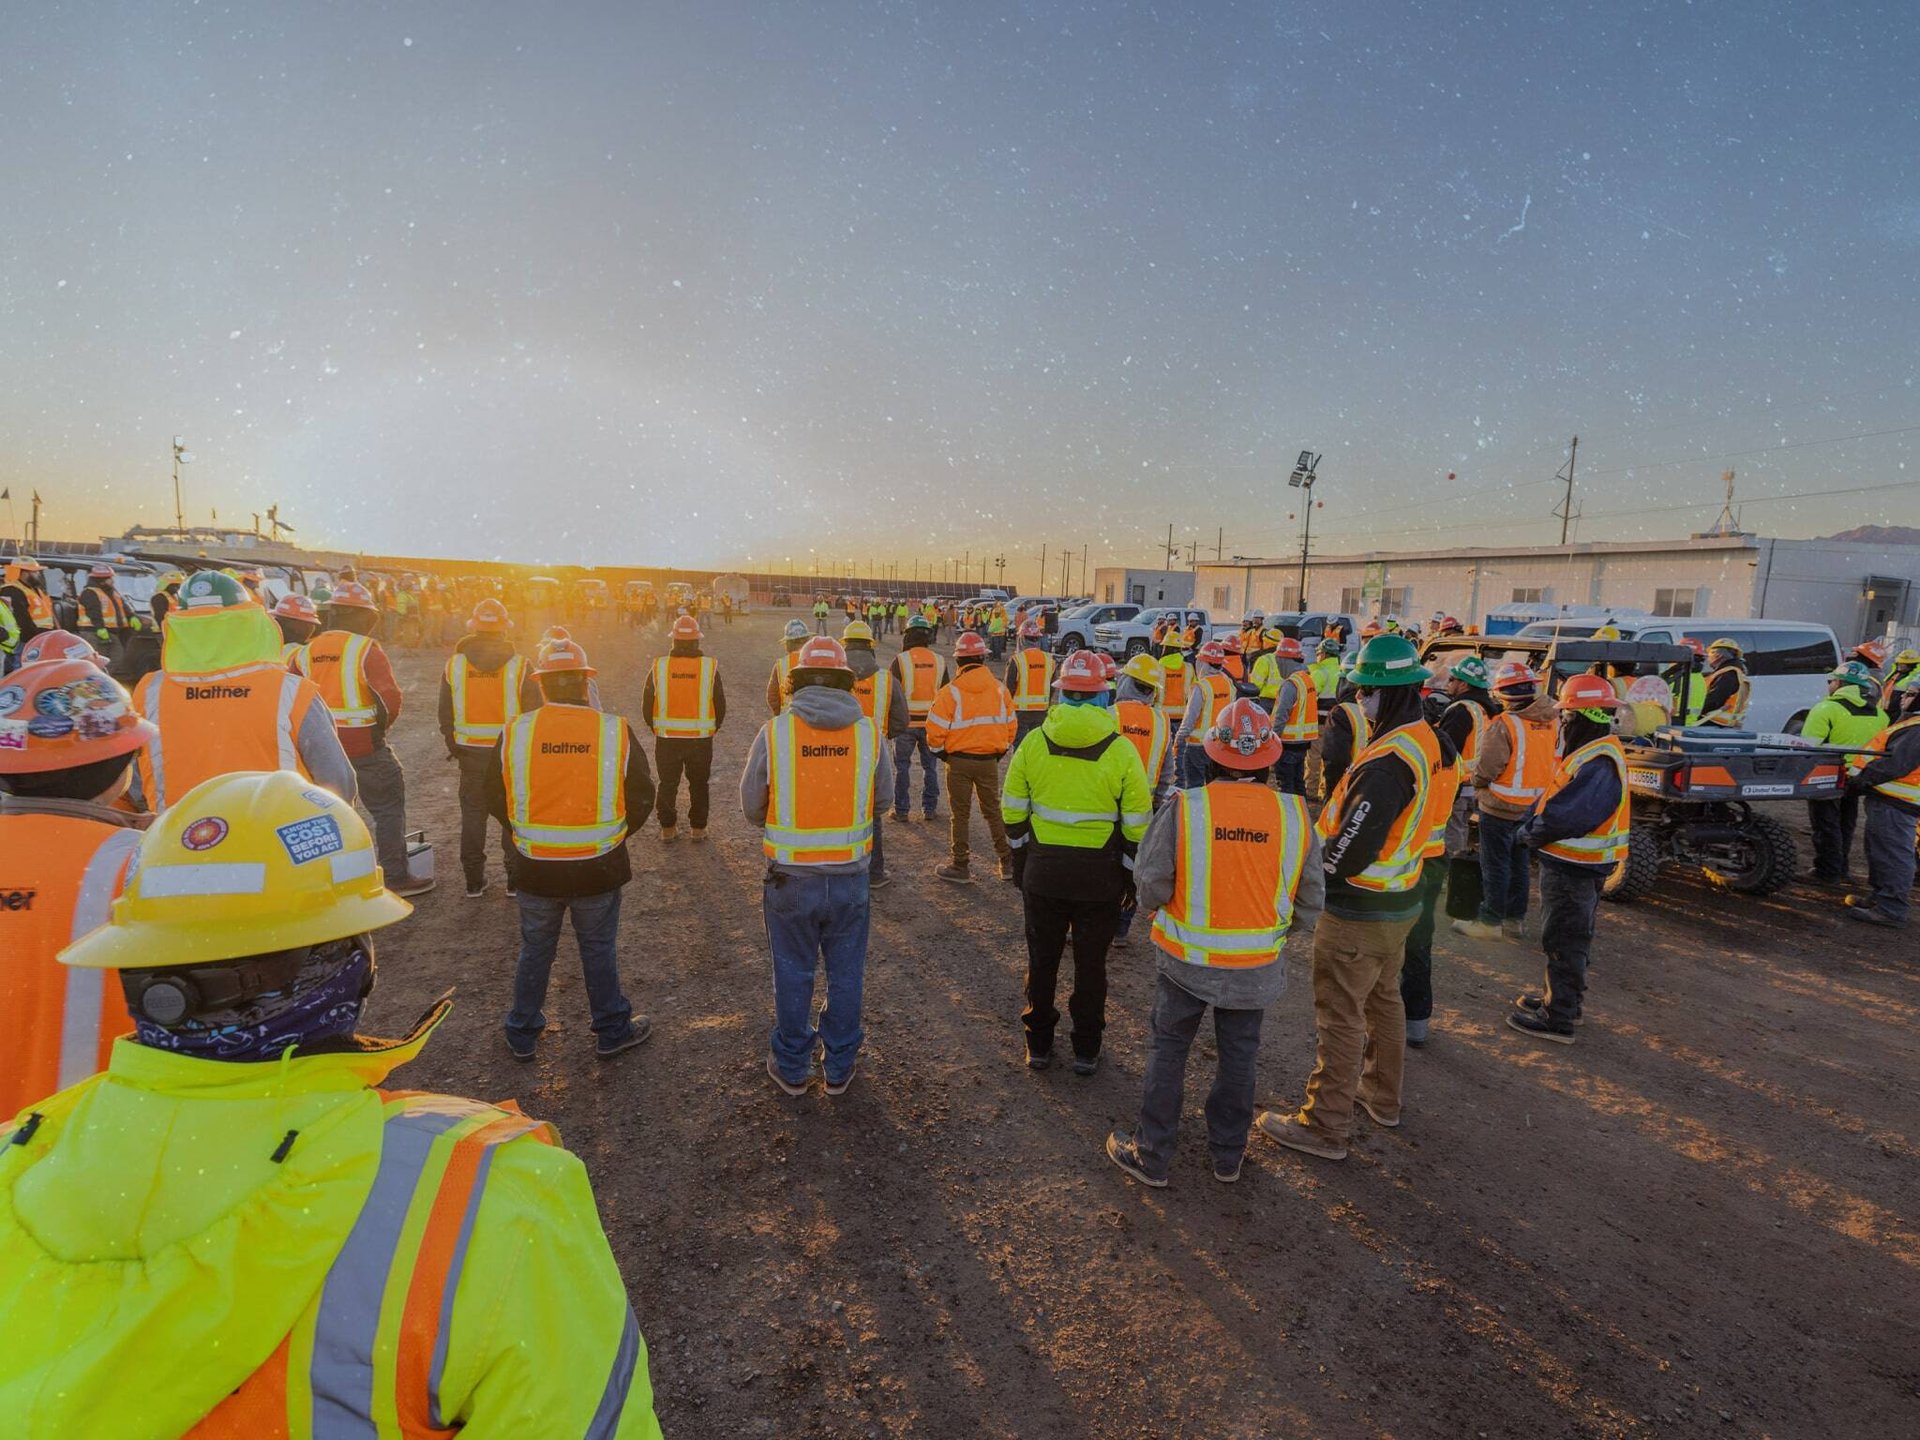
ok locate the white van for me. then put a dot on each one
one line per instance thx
(1788, 661)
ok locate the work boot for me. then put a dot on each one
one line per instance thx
(1514, 929)
(1038, 1059)
(1288, 1131)
(1124, 1151)
(880, 881)
(669, 834)
(1476, 930)
(955, 873)
(1084, 1065)
(637, 1034)
(1536, 1024)
(1814, 877)
(520, 1051)
(410, 884)
(1006, 868)
(1539, 1002)
(1377, 1116)
(1227, 1172)
(787, 1086)
(696, 832)
(1417, 1034)
(840, 1086)
(475, 889)
(1862, 908)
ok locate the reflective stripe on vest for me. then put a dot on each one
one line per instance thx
(1446, 789)
(819, 821)
(1477, 718)
(1606, 845)
(1035, 678)
(344, 685)
(1301, 726)
(1906, 787)
(683, 697)
(206, 744)
(926, 673)
(567, 829)
(1219, 696)
(1326, 675)
(80, 1040)
(875, 694)
(114, 612)
(1397, 867)
(1357, 721)
(1529, 767)
(484, 705)
(1145, 728)
(1731, 712)
(1236, 913)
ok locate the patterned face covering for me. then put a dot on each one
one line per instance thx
(323, 1003)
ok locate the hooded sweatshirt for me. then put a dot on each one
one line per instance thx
(1377, 792)
(824, 708)
(487, 654)
(686, 648)
(1496, 749)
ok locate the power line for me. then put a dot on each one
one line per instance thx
(1764, 450)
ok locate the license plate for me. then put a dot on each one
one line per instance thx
(1765, 791)
(1643, 779)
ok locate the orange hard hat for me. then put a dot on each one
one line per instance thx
(297, 607)
(563, 657)
(489, 618)
(1243, 738)
(1109, 666)
(970, 647)
(1513, 676)
(1692, 642)
(352, 595)
(60, 645)
(1288, 648)
(1213, 653)
(1872, 651)
(557, 632)
(686, 628)
(100, 572)
(1587, 692)
(61, 714)
(823, 652)
(1082, 674)
(1230, 642)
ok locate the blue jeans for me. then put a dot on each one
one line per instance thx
(877, 866)
(1236, 1033)
(596, 927)
(810, 919)
(1290, 772)
(1025, 721)
(1506, 868)
(905, 747)
(1890, 856)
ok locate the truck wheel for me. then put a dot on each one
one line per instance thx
(1761, 861)
(1639, 869)
(1136, 647)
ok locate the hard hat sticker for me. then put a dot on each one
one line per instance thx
(11, 699)
(314, 838)
(13, 734)
(204, 834)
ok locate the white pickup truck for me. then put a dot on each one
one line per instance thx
(1126, 638)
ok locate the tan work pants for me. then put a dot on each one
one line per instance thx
(1360, 1021)
(968, 776)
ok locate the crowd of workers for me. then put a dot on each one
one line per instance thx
(189, 936)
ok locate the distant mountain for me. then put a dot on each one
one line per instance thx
(1879, 535)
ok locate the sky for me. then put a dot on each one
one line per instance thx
(799, 282)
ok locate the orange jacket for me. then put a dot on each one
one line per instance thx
(972, 715)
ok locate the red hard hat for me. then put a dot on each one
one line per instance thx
(297, 607)
(100, 572)
(970, 647)
(1230, 642)
(1447, 622)
(563, 657)
(61, 714)
(686, 628)
(1513, 675)
(1692, 642)
(352, 595)
(1243, 739)
(1109, 667)
(823, 652)
(1082, 674)
(489, 618)
(1288, 648)
(1213, 653)
(556, 632)
(60, 645)
(1030, 627)
(1587, 692)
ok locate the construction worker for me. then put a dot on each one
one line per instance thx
(1077, 804)
(1264, 673)
(1212, 692)
(997, 630)
(104, 612)
(1233, 869)
(480, 695)
(1376, 824)
(1256, 636)
(297, 619)
(294, 1251)
(684, 705)
(1029, 678)
(1145, 726)
(883, 702)
(222, 700)
(1905, 666)
(918, 673)
(1294, 707)
(1175, 678)
(1459, 709)
(67, 845)
(1325, 671)
(572, 784)
(1870, 653)
(530, 696)
(820, 612)
(779, 681)
(1163, 635)
(1510, 774)
(355, 678)
(971, 727)
(1688, 707)
(60, 645)
(1907, 699)
(1727, 687)
(810, 783)
(28, 607)
(1579, 826)
(1890, 781)
(1850, 718)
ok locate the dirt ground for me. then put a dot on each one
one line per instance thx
(1702, 1219)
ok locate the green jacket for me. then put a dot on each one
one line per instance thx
(167, 1224)
(1073, 780)
(1845, 718)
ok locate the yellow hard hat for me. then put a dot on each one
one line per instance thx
(858, 630)
(243, 864)
(1147, 670)
(1607, 632)
(1731, 646)
(1909, 656)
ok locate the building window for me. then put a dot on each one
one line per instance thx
(1525, 596)
(1220, 594)
(1397, 601)
(1109, 595)
(1673, 602)
(1136, 594)
(1350, 600)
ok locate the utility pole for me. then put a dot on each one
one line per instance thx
(1565, 512)
(1173, 554)
(1083, 570)
(180, 457)
(1219, 543)
(1043, 567)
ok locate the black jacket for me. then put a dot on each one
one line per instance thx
(687, 647)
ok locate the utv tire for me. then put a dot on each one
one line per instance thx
(1639, 869)
(1774, 859)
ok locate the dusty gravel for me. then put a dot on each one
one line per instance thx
(1704, 1218)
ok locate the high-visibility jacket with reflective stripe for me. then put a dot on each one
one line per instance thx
(1146, 729)
(1696, 699)
(1608, 843)
(922, 673)
(819, 791)
(343, 685)
(112, 608)
(1731, 712)
(60, 873)
(972, 715)
(1447, 780)
(294, 657)
(1530, 761)
(1358, 723)
(1906, 787)
(1265, 676)
(564, 768)
(1477, 720)
(1076, 802)
(683, 697)
(484, 704)
(1402, 852)
(1173, 690)
(875, 694)
(245, 719)
(1035, 675)
(1301, 724)
(1326, 675)
(1242, 848)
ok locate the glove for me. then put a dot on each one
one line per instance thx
(1129, 896)
(105, 637)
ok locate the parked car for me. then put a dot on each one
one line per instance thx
(1309, 626)
(1076, 627)
(1125, 638)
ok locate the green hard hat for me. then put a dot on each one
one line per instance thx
(1329, 647)
(1471, 669)
(1854, 673)
(212, 590)
(1388, 660)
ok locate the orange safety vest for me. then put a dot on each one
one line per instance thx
(683, 697)
(484, 704)
(61, 873)
(565, 772)
(1447, 780)
(1356, 721)
(1907, 787)
(1146, 730)
(1479, 719)
(783, 669)
(1173, 694)
(294, 657)
(1301, 724)
(114, 612)
(1529, 768)
(1221, 697)
(819, 791)
(337, 661)
(1732, 712)
(1242, 848)
(1402, 853)
(925, 673)
(972, 715)
(875, 694)
(245, 719)
(39, 604)
(1035, 679)
(378, 1326)
(1607, 844)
